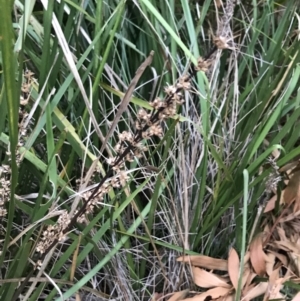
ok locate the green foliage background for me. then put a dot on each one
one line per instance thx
(214, 156)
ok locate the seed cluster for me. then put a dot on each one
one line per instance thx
(5, 174)
(5, 169)
(54, 232)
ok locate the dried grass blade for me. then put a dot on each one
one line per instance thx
(205, 262)
(127, 96)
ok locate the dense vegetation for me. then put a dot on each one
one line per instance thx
(133, 132)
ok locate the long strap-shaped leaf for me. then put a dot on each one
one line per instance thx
(12, 100)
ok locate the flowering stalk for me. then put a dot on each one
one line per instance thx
(130, 146)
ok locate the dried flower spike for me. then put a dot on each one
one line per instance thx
(203, 65)
(221, 42)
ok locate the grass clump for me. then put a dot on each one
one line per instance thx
(111, 174)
